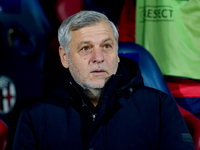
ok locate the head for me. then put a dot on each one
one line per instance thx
(89, 47)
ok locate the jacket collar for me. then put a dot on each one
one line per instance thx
(128, 76)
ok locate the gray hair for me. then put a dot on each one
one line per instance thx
(79, 20)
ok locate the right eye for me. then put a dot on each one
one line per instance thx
(85, 48)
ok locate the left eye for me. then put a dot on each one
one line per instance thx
(107, 46)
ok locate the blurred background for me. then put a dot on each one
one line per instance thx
(30, 64)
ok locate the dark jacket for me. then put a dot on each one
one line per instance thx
(129, 116)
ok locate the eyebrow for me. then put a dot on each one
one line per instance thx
(82, 43)
(108, 39)
(88, 42)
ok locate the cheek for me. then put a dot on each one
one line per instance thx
(77, 60)
(80, 67)
(112, 65)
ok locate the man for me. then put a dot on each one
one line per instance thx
(100, 103)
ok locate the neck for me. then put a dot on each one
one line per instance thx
(94, 95)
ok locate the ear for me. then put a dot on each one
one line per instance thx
(118, 59)
(63, 57)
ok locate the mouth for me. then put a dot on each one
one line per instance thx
(98, 72)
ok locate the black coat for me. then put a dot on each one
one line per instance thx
(129, 116)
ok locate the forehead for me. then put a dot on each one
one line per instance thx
(101, 28)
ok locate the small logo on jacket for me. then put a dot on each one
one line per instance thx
(7, 94)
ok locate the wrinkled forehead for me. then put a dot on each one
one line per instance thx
(102, 29)
(76, 25)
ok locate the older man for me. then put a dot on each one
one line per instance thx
(100, 103)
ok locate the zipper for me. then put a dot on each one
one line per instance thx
(84, 105)
(94, 116)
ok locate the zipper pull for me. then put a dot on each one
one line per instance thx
(94, 116)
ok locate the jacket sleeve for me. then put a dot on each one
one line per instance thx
(24, 136)
(174, 132)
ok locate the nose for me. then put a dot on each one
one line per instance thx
(97, 56)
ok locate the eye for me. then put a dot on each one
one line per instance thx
(106, 46)
(85, 48)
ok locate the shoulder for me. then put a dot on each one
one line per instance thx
(152, 93)
(45, 106)
(151, 98)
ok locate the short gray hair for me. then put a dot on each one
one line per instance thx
(79, 20)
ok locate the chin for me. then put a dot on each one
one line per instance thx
(94, 85)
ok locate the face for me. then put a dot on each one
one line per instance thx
(93, 55)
